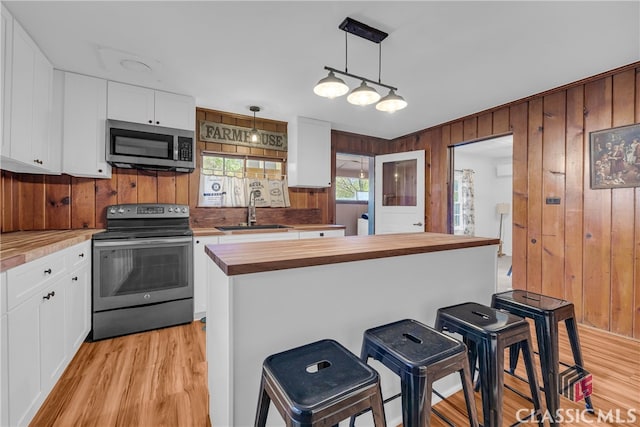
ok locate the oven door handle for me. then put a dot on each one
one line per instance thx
(141, 241)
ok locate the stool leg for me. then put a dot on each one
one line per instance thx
(263, 406)
(472, 353)
(490, 360)
(527, 355)
(547, 336)
(514, 353)
(467, 387)
(377, 409)
(364, 356)
(574, 340)
(412, 399)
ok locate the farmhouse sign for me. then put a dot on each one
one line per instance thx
(236, 135)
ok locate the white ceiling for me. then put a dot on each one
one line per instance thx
(448, 59)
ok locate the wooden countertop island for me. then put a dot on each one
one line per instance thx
(267, 297)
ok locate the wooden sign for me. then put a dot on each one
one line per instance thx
(237, 135)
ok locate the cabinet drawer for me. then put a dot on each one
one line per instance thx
(321, 233)
(78, 255)
(25, 280)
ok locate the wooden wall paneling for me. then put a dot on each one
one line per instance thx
(58, 202)
(126, 183)
(107, 193)
(636, 276)
(31, 202)
(623, 218)
(440, 180)
(147, 186)
(182, 188)
(574, 182)
(518, 124)
(597, 215)
(501, 121)
(485, 125)
(166, 187)
(470, 129)
(10, 196)
(534, 219)
(83, 202)
(457, 133)
(553, 175)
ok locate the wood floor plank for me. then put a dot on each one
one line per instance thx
(159, 378)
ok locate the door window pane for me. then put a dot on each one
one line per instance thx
(399, 181)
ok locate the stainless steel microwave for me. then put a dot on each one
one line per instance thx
(141, 146)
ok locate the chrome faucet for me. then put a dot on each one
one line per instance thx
(251, 210)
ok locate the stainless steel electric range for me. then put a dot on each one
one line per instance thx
(142, 270)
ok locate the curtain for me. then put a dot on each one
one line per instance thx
(467, 202)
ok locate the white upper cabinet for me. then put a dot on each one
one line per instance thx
(309, 158)
(27, 146)
(85, 115)
(142, 105)
(6, 44)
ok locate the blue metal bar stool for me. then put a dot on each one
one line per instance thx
(321, 383)
(419, 355)
(487, 333)
(546, 312)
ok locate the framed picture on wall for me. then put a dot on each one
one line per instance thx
(615, 157)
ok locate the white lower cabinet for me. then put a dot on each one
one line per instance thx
(200, 282)
(41, 329)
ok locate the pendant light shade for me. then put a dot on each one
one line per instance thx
(363, 95)
(391, 103)
(331, 87)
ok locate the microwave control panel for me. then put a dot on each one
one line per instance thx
(185, 149)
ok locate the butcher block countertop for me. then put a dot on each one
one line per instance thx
(256, 257)
(20, 247)
(292, 227)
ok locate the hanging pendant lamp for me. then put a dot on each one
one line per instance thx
(331, 87)
(363, 95)
(254, 135)
(391, 103)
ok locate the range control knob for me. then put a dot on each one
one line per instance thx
(184, 210)
(121, 210)
(112, 210)
(170, 209)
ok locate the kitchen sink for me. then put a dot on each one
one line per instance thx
(251, 227)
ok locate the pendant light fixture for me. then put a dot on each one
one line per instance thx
(254, 135)
(362, 175)
(332, 86)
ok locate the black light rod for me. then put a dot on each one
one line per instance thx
(344, 73)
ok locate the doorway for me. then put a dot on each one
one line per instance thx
(481, 195)
(354, 193)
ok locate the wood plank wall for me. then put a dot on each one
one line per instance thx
(587, 249)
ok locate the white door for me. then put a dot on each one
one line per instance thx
(400, 193)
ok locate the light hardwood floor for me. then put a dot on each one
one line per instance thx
(159, 378)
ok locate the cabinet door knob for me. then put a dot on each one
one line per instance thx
(151, 121)
(321, 234)
(49, 295)
(419, 224)
(81, 255)
(74, 278)
(47, 271)
(157, 123)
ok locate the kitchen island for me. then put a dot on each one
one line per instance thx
(266, 297)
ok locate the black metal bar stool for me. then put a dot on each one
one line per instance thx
(419, 355)
(546, 312)
(321, 383)
(487, 333)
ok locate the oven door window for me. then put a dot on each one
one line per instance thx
(141, 273)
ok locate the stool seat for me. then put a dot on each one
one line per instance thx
(487, 332)
(546, 312)
(318, 383)
(419, 355)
